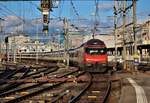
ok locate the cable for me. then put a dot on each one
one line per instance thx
(74, 8)
(2, 13)
(11, 12)
(7, 10)
(60, 10)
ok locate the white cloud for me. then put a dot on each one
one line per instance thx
(14, 24)
(105, 7)
(11, 21)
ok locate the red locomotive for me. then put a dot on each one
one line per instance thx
(91, 56)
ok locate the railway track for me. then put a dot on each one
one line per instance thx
(92, 90)
(20, 94)
(45, 71)
(96, 91)
(42, 72)
(19, 74)
(8, 73)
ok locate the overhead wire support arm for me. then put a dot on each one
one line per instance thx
(127, 8)
(76, 12)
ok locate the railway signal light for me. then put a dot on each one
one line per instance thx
(45, 19)
(45, 4)
(45, 28)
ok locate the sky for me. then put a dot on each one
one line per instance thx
(85, 8)
(15, 11)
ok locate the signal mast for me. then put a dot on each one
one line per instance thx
(46, 6)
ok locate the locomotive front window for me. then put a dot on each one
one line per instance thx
(95, 50)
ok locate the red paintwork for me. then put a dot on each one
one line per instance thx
(92, 59)
(95, 58)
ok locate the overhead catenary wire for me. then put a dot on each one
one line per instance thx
(12, 12)
(75, 10)
(96, 21)
(5, 9)
(3, 13)
(60, 10)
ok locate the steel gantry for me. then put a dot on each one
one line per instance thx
(121, 7)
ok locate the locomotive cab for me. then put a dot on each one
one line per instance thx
(95, 56)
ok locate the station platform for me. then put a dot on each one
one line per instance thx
(135, 87)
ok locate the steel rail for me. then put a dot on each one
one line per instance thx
(25, 88)
(34, 93)
(105, 98)
(38, 91)
(65, 93)
(12, 85)
(59, 97)
(76, 98)
(11, 74)
(107, 94)
(46, 71)
(43, 78)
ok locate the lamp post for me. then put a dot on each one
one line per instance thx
(66, 55)
(14, 49)
(149, 27)
(37, 61)
(7, 48)
(58, 36)
(149, 36)
(124, 30)
(134, 26)
(1, 33)
(115, 28)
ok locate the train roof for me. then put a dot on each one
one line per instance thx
(94, 42)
